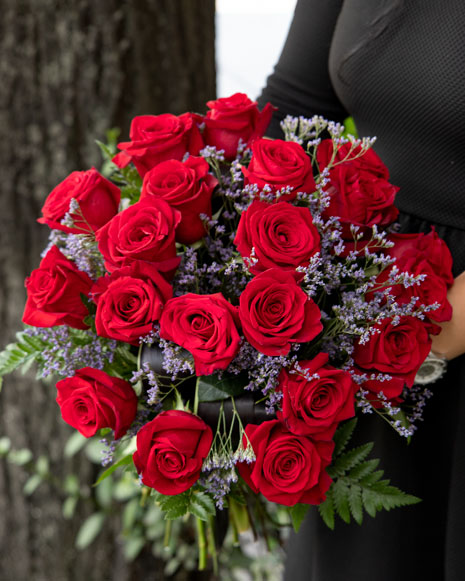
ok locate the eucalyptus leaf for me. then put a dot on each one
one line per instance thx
(125, 488)
(5, 445)
(32, 484)
(71, 485)
(69, 507)
(130, 513)
(42, 466)
(94, 450)
(89, 530)
(132, 547)
(20, 457)
(171, 567)
(104, 493)
(74, 443)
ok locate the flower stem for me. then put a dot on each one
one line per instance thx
(202, 543)
(167, 538)
(212, 544)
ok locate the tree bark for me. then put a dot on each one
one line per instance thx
(70, 70)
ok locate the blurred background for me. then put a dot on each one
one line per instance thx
(69, 71)
(249, 38)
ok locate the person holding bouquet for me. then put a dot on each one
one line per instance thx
(395, 66)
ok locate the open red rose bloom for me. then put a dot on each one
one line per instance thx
(214, 269)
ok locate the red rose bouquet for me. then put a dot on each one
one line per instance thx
(221, 307)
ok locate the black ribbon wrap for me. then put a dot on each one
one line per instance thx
(249, 411)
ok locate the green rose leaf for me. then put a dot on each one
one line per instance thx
(211, 388)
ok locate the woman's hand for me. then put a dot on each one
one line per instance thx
(450, 342)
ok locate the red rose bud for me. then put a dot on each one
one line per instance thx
(144, 231)
(206, 326)
(97, 197)
(281, 236)
(54, 293)
(186, 186)
(279, 164)
(235, 118)
(92, 399)
(288, 469)
(170, 451)
(316, 397)
(397, 350)
(157, 138)
(129, 301)
(359, 191)
(275, 312)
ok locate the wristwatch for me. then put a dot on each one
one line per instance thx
(432, 368)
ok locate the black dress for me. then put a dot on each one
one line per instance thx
(398, 68)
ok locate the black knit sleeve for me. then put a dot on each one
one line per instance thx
(300, 83)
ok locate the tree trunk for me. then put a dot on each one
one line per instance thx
(70, 70)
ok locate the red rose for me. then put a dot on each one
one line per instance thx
(398, 350)
(129, 301)
(391, 389)
(275, 312)
(98, 202)
(437, 254)
(170, 451)
(206, 326)
(359, 191)
(315, 405)
(144, 231)
(233, 118)
(428, 247)
(54, 293)
(288, 469)
(280, 164)
(188, 187)
(422, 254)
(92, 399)
(281, 235)
(431, 290)
(157, 138)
